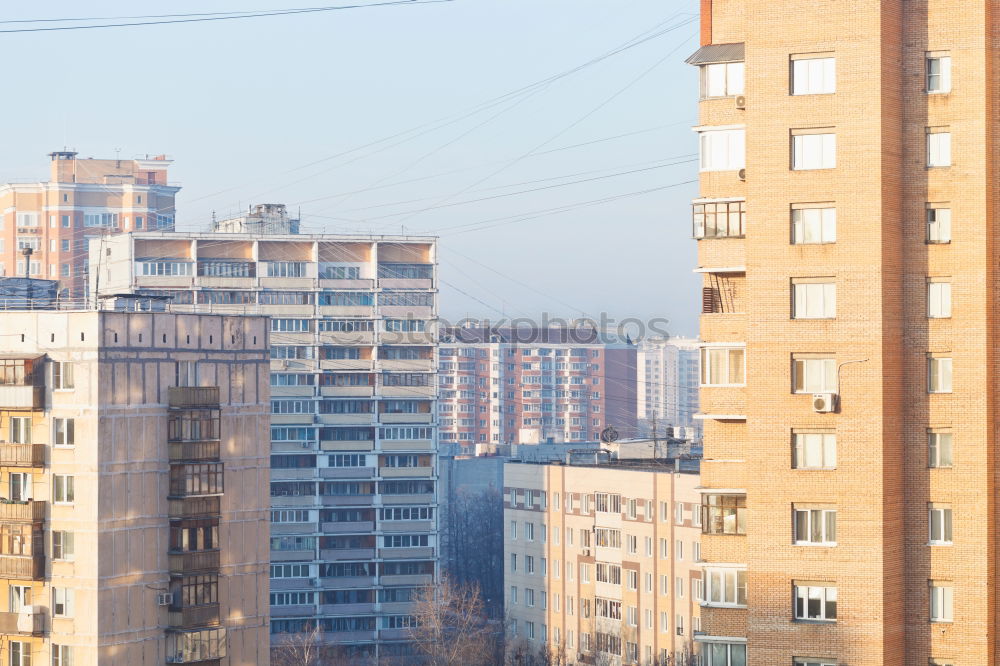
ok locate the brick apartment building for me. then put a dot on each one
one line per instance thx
(848, 368)
(509, 385)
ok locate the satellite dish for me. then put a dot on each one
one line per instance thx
(609, 434)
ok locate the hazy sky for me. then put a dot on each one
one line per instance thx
(299, 110)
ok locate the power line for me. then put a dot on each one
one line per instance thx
(200, 18)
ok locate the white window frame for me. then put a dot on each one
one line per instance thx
(814, 526)
(942, 603)
(940, 449)
(62, 602)
(722, 149)
(938, 224)
(711, 656)
(814, 150)
(825, 594)
(812, 299)
(732, 75)
(938, 298)
(938, 147)
(938, 74)
(814, 225)
(803, 369)
(810, 448)
(725, 587)
(814, 74)
(724, 356)
(939, 374)
(939, 525)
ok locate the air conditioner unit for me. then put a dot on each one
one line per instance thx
(741, 102)
(164, 599)
(586, 552)
(742, 174)
(824, 402)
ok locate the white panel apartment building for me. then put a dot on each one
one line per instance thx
(353, 426)
(668, 383)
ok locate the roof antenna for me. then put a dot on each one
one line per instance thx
(118, 161)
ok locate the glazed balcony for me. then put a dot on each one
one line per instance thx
(194, 616)
(194, 451)
(182, 397)
(190, 562)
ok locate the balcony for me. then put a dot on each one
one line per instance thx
(22, 397)
(394, 417)
(30, 511)
(195, 616)
(193, 451)
(204, 560)
(195, 506)
(22, 624)
(182, 397)
(22, 567)
(194, 647)
(22, 455)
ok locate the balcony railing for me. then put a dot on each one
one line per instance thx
(193, 396)
(22, 567)
(24, 624)
(195, 616)
(195, 451)
(204, 560)
(30, 511)
(22, 455)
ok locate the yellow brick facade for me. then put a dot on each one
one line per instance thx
(882, 484)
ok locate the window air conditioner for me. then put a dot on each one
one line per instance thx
(164, 599)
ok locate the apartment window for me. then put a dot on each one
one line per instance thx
(679, 549)
(814, 74)
(815, 526)
(633, 579)
(939, 524)
(724, 514)
(530, 630)
(529, 597)
(938, 73)
(633, 544)
(679, 624)
(647, 583)
(939, 374)
(938, 298)
(513, 562)
(814, 375)
(814, 450)
(63, 547)
(20, 653)
(723, 366)
(724, 654)
(938, 224)
(814, 298)
(938, 147)
(62, 375)
(719, 219)
(726, 587)
(632, 616)
(815, 601)
(64, 432)
(513, 530)
(723, 79)
(62, 655)
(62, 602)
(722, 149)
(19, 428)
(814, 149)
(939, 448)
(813, 225)
(529, 564)
(62, 489)
(813, 661)
(664, 586)
(942, 601)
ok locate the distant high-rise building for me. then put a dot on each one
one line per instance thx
(532, 385)
(353, 419)
(134, 475)
(602, 562)
(53, 221)
(667, 392)
(848, 368)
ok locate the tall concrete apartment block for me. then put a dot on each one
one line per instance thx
(82, 200)
(353, 423)
(133, 462)
(601, 561)
(667, 391)
(537, 385)
(849, 368)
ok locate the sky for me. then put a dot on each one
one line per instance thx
(547, 144)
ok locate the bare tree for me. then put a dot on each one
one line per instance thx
(472, 545)
(302, 649)
(451, 627)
